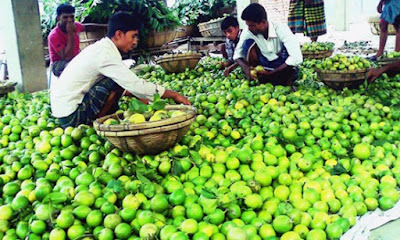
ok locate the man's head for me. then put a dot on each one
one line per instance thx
(123, 29)
(65, 14)
(256, 18)
(230, 27)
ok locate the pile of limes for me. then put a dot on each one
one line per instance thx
(344, 63)
(317, 46)
(259, 162)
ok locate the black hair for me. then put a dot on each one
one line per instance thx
(229, 22)
(255, 13)
(122, 21)
(65, 8)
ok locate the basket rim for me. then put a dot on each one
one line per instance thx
(191, 113)
(142, 132)
(341, 72)
(211, 21)
(175, 60)
(316, 52)
(188, 56)
(388, 59)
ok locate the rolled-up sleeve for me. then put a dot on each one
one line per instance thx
(292, 45)
(117, 71)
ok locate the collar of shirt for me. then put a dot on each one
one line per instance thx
(109, 42)
(271, 30)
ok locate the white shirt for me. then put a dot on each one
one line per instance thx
(278, 34)
(99, 60)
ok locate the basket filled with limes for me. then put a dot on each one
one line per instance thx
(388, 58)
(317, 50)
(176, 63)
(340, 71)
(146, 129)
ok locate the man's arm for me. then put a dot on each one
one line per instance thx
(140, 88)
(246, 68)
(375, 73)
(292, 46)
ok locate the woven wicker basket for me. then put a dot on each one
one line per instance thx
(7, 88)
(150, 137)
(317, 54)
(211, 28)
(386, 61)
(339, 79)
(178, 63)
(376, 29)
(157, 39)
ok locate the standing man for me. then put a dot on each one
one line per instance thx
(230, 27)
(63, 40)
(269, 44)
(390, 14)
(92, 83)
(308, 17)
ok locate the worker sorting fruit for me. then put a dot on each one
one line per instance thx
(92, 83)
(269, 45)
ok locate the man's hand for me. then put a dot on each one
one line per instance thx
(227, 71)
(71, 28)
(181, 99)
(265, 73)
(373, 74)
(247, 71)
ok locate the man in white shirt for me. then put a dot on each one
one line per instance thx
(92, 83)
(271, 45)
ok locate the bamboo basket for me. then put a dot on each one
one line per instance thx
(185, 31)
(376, 29)
(158, 39)
(149, 137)
(386, 61)
(339, 79)
(176, 63)
(8, 87)
(317, 54)
(93, 32)
(211, 28)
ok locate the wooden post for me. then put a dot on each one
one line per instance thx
(22, 37)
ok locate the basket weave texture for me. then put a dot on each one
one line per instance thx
(376, 29)
(317, 54)
(158, 39)
(211, 28)
(149, 137)
(178, 63)
(386, 61)
(339, 79)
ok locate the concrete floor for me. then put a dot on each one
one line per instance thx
(389, 231)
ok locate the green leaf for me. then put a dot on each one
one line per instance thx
(115, 185)
(338, 169)
(142, 178)
(176, 168)
(137, 106)
(55, 198)
(208, 194)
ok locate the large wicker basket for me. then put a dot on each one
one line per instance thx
(179, 62)
(185, 31)
(376, 29)
(339, 79)
(211, 28)
(317, 54)
(150, 137)
(157, 39)
(7, 87)
(386, 61)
